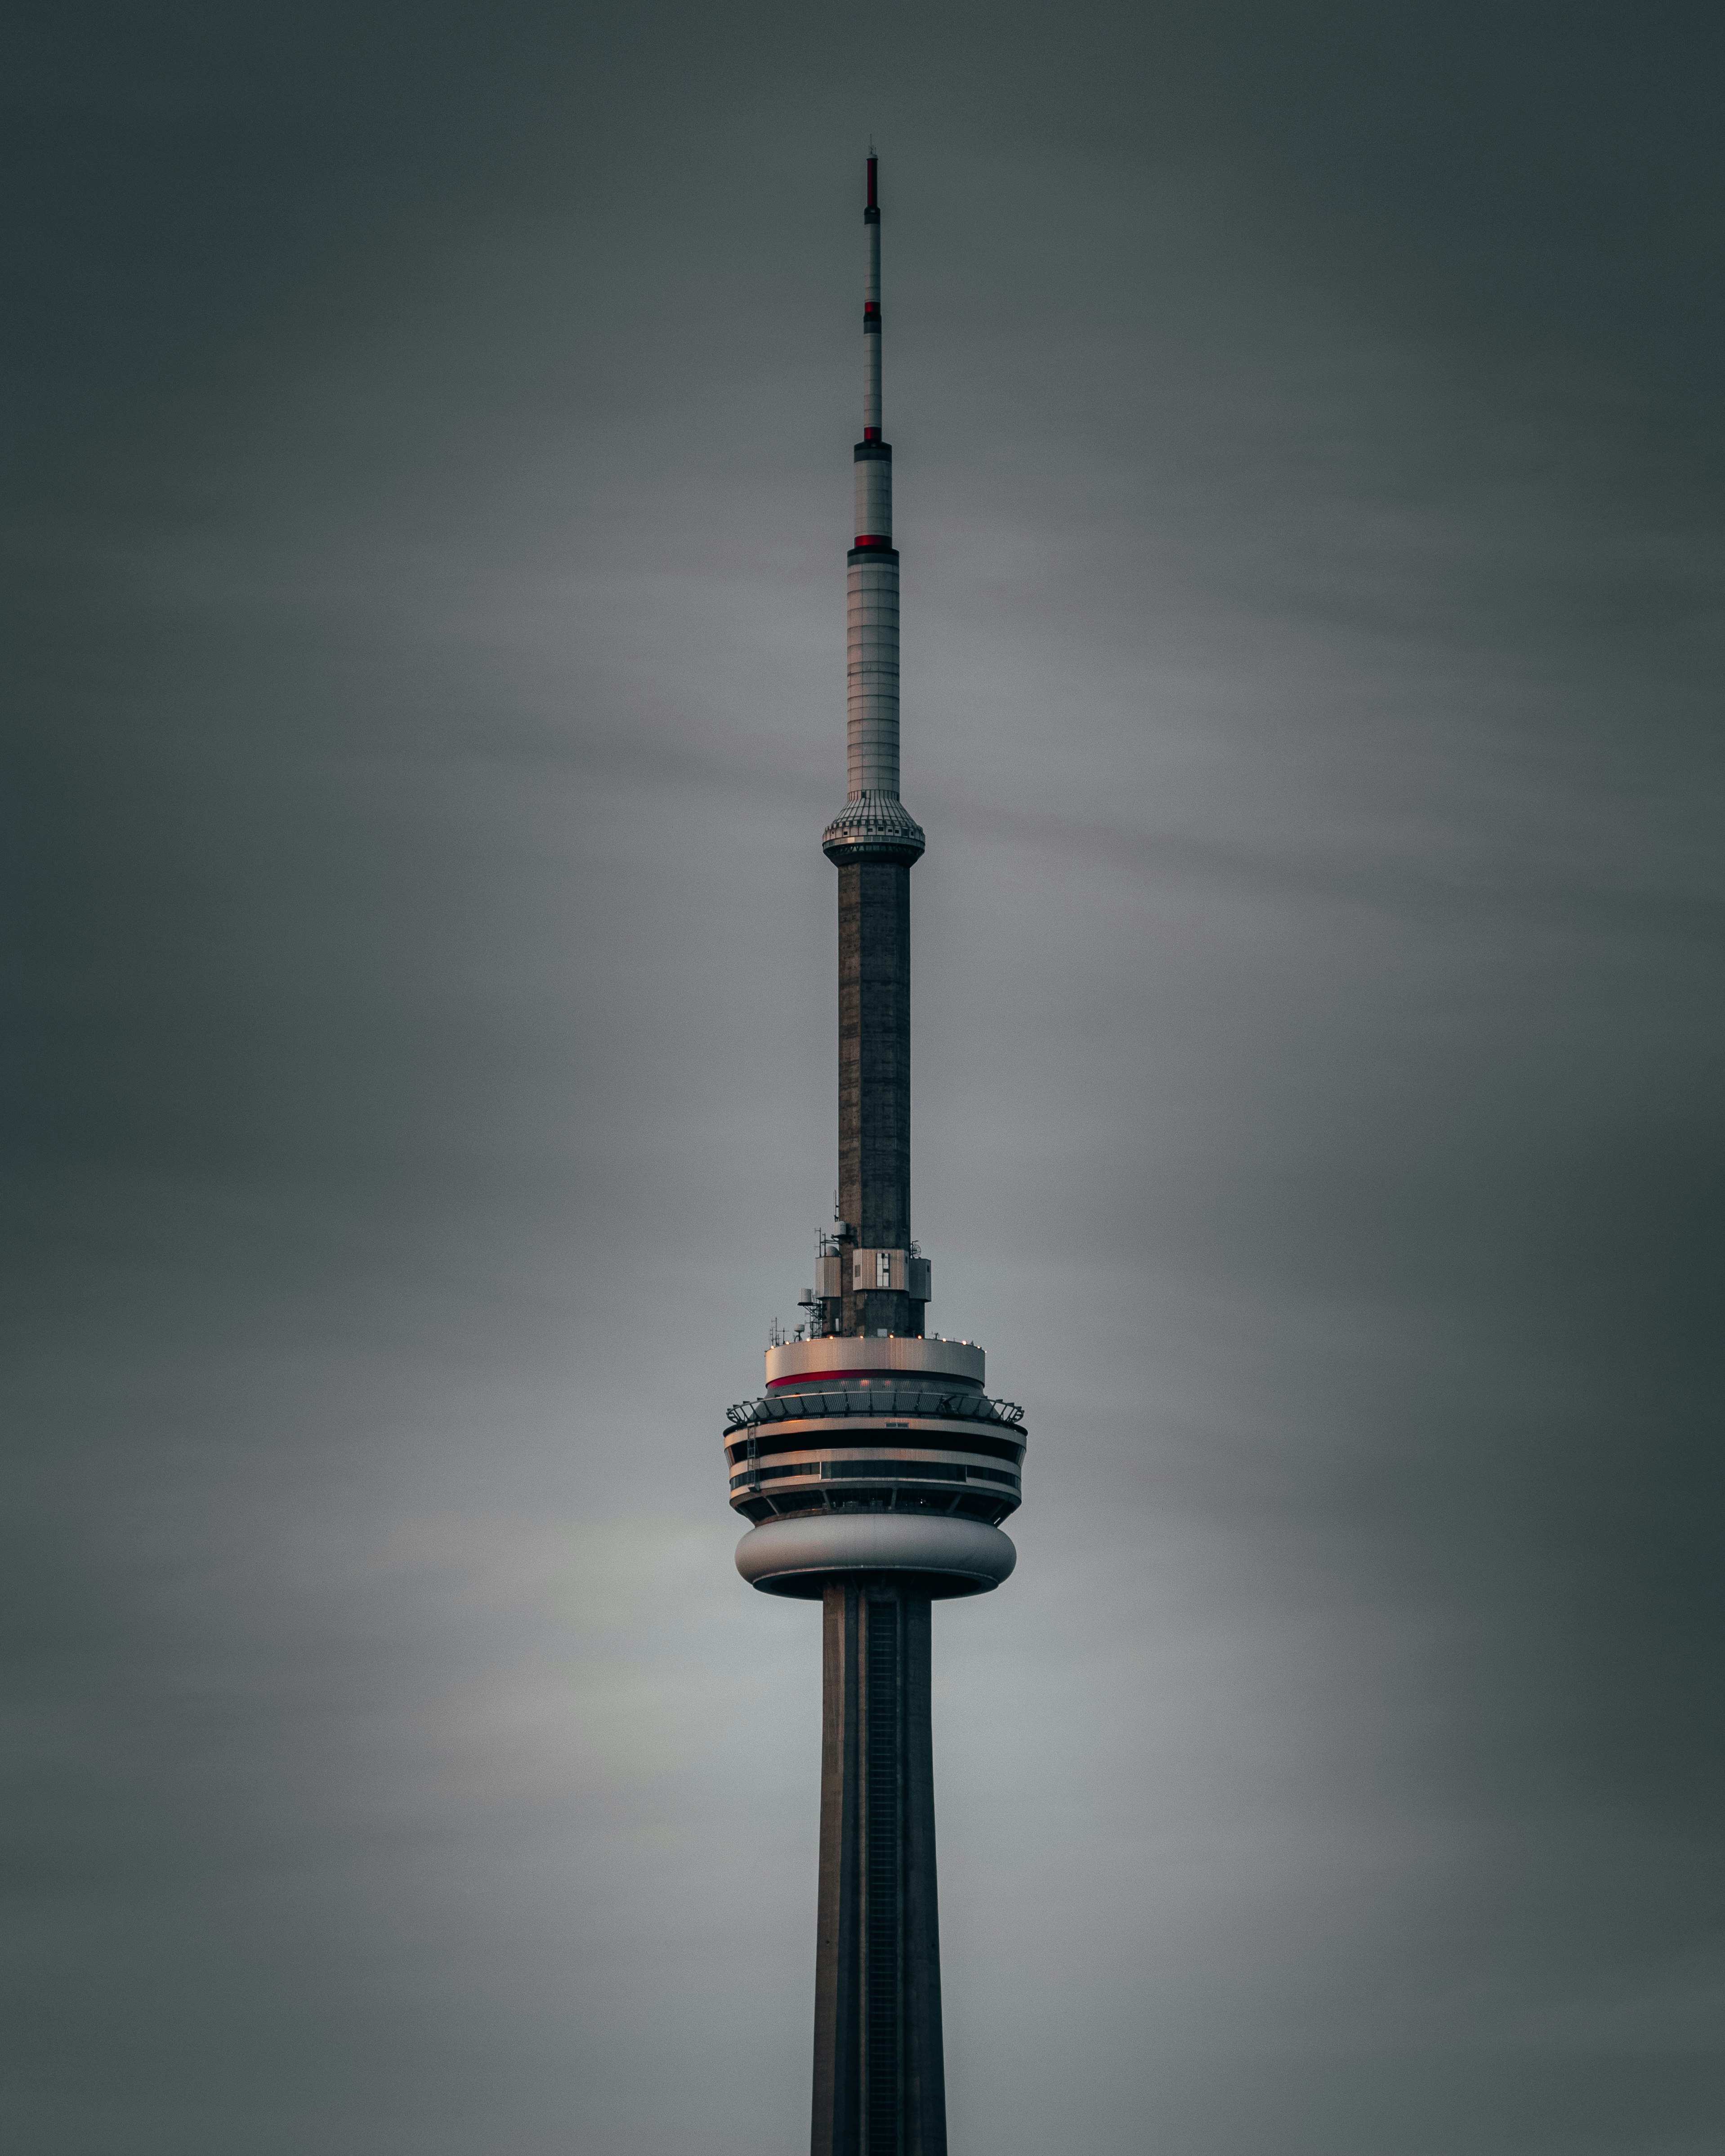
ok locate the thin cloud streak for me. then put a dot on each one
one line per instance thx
(432, 647)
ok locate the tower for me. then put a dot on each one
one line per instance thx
(875, 1467)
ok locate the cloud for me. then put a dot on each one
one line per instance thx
(431, 485)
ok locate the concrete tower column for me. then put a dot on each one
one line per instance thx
(874, 1468)
(879, 2081)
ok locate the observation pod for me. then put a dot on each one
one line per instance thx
(876, 1456)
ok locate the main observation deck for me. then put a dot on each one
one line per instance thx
(899, 1428)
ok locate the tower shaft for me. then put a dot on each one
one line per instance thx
(875, 1080)
(875, 1469)
(880, 2082)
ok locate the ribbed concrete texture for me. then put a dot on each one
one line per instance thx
(879, 2081)
(875, 1076)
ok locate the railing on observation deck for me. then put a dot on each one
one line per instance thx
(923, 1401)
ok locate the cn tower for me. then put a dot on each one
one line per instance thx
(875, 1467)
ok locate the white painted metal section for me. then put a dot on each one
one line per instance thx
(873, 497)
(962, 1550)
(871, 684)
(872, 656)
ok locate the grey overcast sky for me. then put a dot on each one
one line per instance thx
(427, 473)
